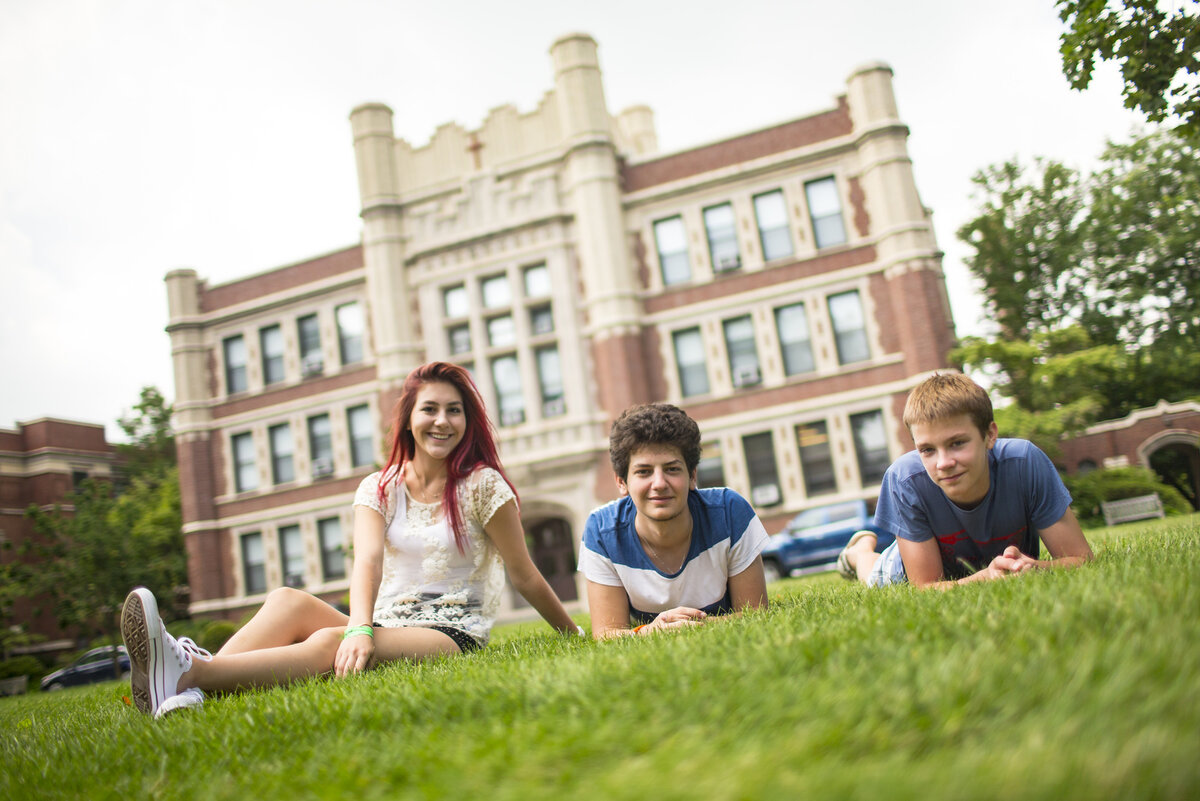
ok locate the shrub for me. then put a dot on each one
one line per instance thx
(25, 665)
(215, 634)
(1114, 484)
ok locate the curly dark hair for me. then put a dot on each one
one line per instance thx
(653, 424)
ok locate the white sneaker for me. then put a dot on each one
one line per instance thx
(192, 696)
(156, 659)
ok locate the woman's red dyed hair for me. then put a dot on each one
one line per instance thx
(477, 448)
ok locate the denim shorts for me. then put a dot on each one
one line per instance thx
(889, 568)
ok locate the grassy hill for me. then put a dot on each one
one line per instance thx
(1082, 684)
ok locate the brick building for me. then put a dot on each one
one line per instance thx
(40, 463)
(1141, 439)
(784, 286)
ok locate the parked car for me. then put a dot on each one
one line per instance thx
(812, 540)
(96, 665)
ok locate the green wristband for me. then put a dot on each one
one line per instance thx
(354, 630)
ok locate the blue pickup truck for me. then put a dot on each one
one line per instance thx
(812, 540)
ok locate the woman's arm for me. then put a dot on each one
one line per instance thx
(506, 533)
(356, 653)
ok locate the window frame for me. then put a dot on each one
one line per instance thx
(277, 457)
(232, 368)
(819, 221)
(243, 468)
(722, 262)
(271, 336)
(785, 228)
(699, 368)
(673, 261)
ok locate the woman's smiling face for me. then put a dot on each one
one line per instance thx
(438, 420)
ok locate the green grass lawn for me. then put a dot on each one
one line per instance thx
(1083, 684)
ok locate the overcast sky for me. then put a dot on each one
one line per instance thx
(138, 136)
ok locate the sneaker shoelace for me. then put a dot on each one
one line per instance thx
(186, 650)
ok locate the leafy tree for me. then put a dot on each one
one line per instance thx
(151, 446)
(100, 543)
(1156, 44)
(1094, 280)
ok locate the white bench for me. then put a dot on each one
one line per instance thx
(14, 686)
(1139, 508)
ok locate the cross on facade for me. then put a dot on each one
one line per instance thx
(475, 146)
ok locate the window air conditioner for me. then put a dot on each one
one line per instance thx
(765, 495)
(553, 408)
(322, 468)
(728, 262)
(747, 377)
(313, 364)
(512, 417)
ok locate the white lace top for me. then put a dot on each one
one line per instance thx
(426, 580)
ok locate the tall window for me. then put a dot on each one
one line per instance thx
(320, 445)
(770, 209)
(506, 376)
(550, 379)
(794, 339)
(291, 554)
(870, 445)
(689, 357)
(245, 473)
(312, 361)
(816, 457)
(454, 301)
(760, 463)
(743, 355)
(849, 327)
(825, 210)
(362, 449)
(496, 292)
(282, 466)
(671, 241)
(333, 553)
(270, 339)
(254, 563)
(501, 331)
(721, 227)
(711, 470)
(349, 318)
(537, 281)
(460, 338)
(235, 364)
(541, 320)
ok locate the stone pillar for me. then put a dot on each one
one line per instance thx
(192, 423)
(592, 187)
(899, 223)
(636, 125)
(390, 301)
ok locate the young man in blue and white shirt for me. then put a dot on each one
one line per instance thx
(667, 555)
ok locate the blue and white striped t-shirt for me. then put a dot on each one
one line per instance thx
(726, 538)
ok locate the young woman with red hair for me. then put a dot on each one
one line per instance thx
(430, 532)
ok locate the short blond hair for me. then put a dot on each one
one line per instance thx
(944, 395)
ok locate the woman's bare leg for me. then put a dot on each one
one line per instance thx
(287, 617)
(269, 667)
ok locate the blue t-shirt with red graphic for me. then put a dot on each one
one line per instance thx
(1026, 494)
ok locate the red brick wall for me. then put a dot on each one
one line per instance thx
(737, 283)
(210, 564)
(749, 400)
(621, 373)
(778, 139)
(284, 278)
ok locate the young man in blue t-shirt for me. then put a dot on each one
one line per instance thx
(964, 506)
(667, 555)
